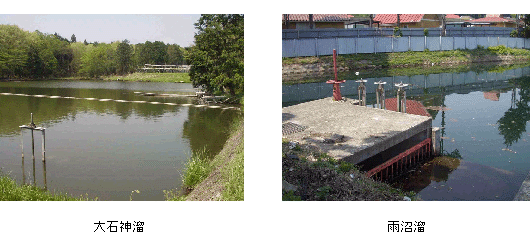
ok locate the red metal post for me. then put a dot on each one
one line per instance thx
(336, 83)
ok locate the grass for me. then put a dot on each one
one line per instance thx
(153, 77)
(197, 169)
(224, 172)
(11, 191)
(395, 59)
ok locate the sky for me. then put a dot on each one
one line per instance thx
(169, 28)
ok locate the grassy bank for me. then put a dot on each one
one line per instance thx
(407, 59)
(153, 77)
(11, 191)
(218, 179)
(309, 175)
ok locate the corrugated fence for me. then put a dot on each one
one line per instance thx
(352, 41)
(320, 47)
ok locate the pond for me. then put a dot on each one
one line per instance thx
(106, 139)
(485, 135)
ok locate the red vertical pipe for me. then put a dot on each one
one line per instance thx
(335, 63)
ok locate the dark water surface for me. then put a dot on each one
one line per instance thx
(486, 133)
(106, 149)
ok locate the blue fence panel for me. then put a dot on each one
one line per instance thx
(519, 43)
(471, 43)
(365, 45)
(383, 44)
(459, 42)
(493, 41)
(433, 43)
(346, 45)
(306, 47)
(483, 41)
(401, 44)
(447, 43)
(511, 43)
(526, 43)
(503, 41)
(417, 43)
(326, 46)
(288, 48)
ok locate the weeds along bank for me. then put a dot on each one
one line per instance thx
(324, 64)
(11, 191)
(217, 179)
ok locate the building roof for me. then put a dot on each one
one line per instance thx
(403, 18)
(491, 19)
(318, 17)
(451, 16)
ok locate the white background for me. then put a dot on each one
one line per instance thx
(263, 214)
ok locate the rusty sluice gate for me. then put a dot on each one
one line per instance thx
(402, 162)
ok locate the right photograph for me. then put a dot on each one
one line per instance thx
(405, 107)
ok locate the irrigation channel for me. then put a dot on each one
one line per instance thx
(107, 139)
(485, 137)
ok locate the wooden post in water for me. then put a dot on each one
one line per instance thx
(33, 127)
(43, 146)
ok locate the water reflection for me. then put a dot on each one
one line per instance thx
(483, 117)
(512, 124)
(106, 149)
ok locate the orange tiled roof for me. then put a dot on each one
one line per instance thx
(491, 19)
(403, 18)
(318, 17)
(452, 16)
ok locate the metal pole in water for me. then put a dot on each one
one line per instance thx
(43, 146)
(22, 142)
(44, 174)
(33, 155)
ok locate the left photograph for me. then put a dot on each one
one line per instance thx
(122, 107)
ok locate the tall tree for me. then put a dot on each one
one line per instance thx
(73, 39)
(13, 51)
(217, 59)
(175, 55)
(124, 57)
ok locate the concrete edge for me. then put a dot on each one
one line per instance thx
(384, 145)
(524, 191)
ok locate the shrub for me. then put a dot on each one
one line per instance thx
(197, 169)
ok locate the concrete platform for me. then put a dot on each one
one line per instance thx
(366, 131)
(524, 191)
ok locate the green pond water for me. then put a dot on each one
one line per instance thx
(485, 135)
(102, 144)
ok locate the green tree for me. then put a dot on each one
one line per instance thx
(73, 39)
(217, 58)
(175, 55)
(124, 57)
(98, 60)
(13, 51)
